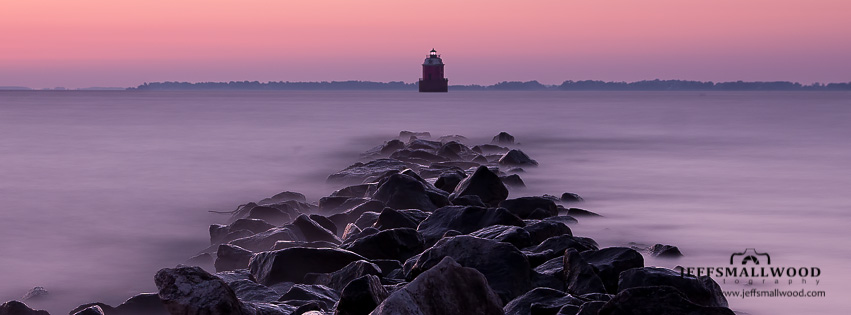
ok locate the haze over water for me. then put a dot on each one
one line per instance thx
(101, 189)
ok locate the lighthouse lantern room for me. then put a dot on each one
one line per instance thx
(433, 80)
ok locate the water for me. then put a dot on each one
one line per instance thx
(101, 189)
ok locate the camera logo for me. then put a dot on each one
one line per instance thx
(750, 255)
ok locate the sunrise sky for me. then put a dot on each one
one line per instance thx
(81, 43)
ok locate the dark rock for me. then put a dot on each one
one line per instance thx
(464, 219)
(548, 301)
(482, 183)
(566, 219)
(489, 149)
(455, 165)
(312, 292)
(513, 235)
(269, 214)
(191, 290)
(336, 205)
(34, 294)
(19, 308)
(513, 180)
(610, 262)
(232, 257)
(203, 260)
(524, 206)
(590, 308)
(555, 246)
(398, 244)
(324, 222)
(577, 212)
(469, 200)
(571, 310)
(356, 191)
(361, 296)
(700, 290)
(387, 265)
(580, 276)
(350, 230)
(571, 197)
(402, 191)
(505, 267)
(91, 310)
(392, 145)
(284, 196)
(292, 264)
(420, 144)
(597, 297)
(516, 158)
(665, 251)
(367, 219)
(313, 231)
(503, 138)
(363, 233)
(542, 230)
(480, 159)
(141, 304)
(449, 180)
(456, 138)
(250, 291)
(391, 218)
(104, 307)
(338, 280)
(291, 244)
(352, 214)
(415, 155)
(446, 288)
(218, 232)
(309, 307)
(266, 240)
(358, 172)
(657, 300)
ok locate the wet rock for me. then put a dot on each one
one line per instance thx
(387, 265)
(610, 262)
(361, 296)
(232, 257)
(363, 233)
(566, 219)
(392, 218)
(589, 308)
(324, 222)
(284, 196)
(446, 288)
(402, 191)
(35, 294)
(335, 205)
(570, 197)
(580, 276)
(570, 310)
(358, 172)
(250, 291)
(271, 215)
(141, 304)
(291, 244)
(218, 232)
(356, 191)
(543, 300)
(489, 149)
(469, 200)
(523, 207)
(516, 158)
(367, 219)
(266, 240)
(337, 280)
(350, 230)
(482, 183)
(325, 296)
(513, 235)
(313, 231)
(408, 134)
(191, 290)
(291, 264)
(656, 300)
(19, 308)
(352, 214)
(91, 310)
(464, 219)
(417, 155)
(104, 307)
(398, 244)
(665, 251)
(557, 245)
(700, 290)
(449, 180)
(577, 212)
(513, 180)
(392, 145)
(420, 144)
(542, 230)
(505, 267)
(503, 138)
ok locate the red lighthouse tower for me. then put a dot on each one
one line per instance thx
(433, 80)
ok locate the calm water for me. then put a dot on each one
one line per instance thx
(101, 189)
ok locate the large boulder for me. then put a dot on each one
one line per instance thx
(401, 191)
(544, 229)
(447, 181)
(446, 288)
(398, 244)
(359, 172)
(301, 294)
(142, 304)
(406, 218)
(191, 290)
(337, 280)
(312, 230)
(352, 214)
(219, 232)
(523, 207)
(503, 138)
(580, 276)
(361, 296)
(665, 251)
(91, 310)
(657, 300)
(464, 219)
(19, 308)
(700, 290)
(513, 235)
(555, 246)
(611, 261)
(250, 291)
(516, 158)
(266, 240)
(505, 267)
(540, 301)
(232, 257)
(291, 264)
(482, 183)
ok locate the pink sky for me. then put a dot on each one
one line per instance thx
(84, 43)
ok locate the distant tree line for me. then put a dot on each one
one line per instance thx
(586, 85)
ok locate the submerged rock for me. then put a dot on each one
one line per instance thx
(516, 158)
(34, 294)
(503, 138)
(665, 251)
(446, 288)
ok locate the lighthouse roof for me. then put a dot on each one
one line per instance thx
(432, 61)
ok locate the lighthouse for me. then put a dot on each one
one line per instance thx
(433, 80)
